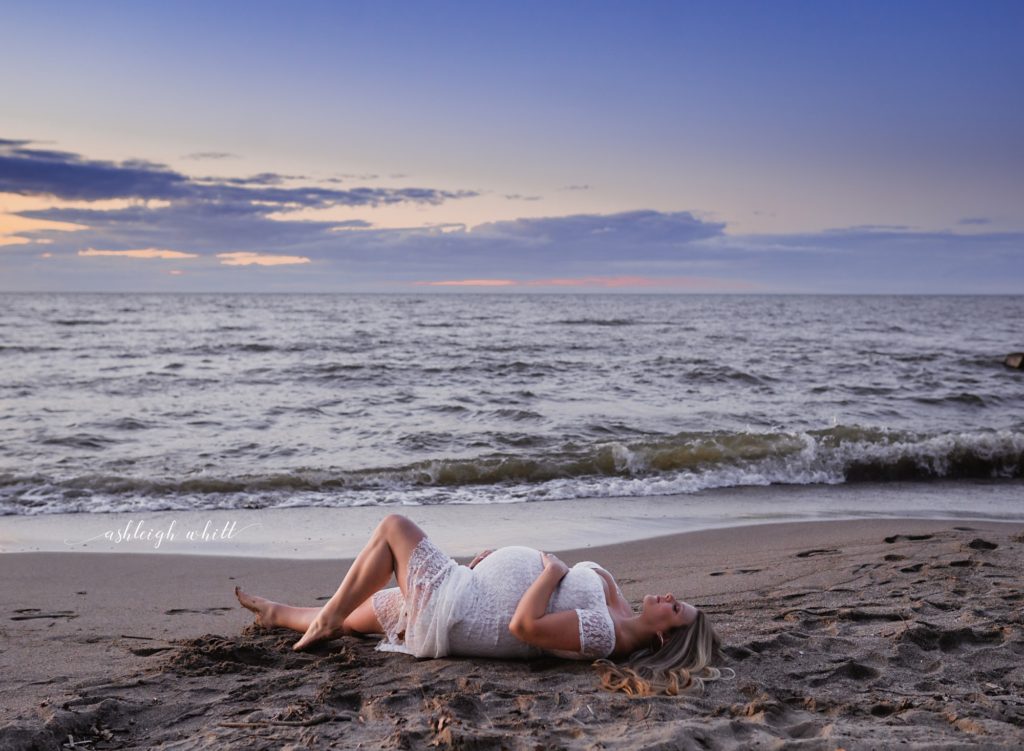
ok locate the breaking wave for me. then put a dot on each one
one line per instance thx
(680, 464)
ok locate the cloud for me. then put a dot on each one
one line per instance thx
(631, 227)
(350, 224)
(141, 253)
(344, 177)
(520, 197)
(975, 220)
(861, 228)
(207, 227)
(264, 178)
(149, 211)
(63, 175)
(244, 258)
(870, 260)
(575, 187)
(60, 174)
(470, 283)
(200, 155)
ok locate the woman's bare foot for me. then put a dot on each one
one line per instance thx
(263, 608)
(318, 631)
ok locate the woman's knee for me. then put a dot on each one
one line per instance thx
(396, 524)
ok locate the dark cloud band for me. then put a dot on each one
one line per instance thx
(64, 175)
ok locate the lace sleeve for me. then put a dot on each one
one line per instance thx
(597, 633)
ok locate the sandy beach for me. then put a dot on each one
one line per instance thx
(846, 634)
(723, 297)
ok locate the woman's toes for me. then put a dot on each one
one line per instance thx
(316, 632)
(306, 640)
(245, 600)
(261, 607)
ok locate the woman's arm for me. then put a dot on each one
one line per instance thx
(531, 623)
(480, 557)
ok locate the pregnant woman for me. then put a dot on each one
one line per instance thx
(515, 602)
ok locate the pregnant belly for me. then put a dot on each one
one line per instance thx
(506, 574)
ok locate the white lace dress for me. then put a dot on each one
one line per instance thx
(454, 610)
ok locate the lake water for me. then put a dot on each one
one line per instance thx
(161, 402)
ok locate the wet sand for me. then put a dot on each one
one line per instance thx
(847, 634)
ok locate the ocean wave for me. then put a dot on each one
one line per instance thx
(88, 441)
(685, 463)
(125, 423)
(80, 322)
(595, 322)
(964, 397)
(27, 349)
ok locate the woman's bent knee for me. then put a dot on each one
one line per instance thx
(391, 521)
(398, 524)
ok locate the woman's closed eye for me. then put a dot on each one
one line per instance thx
(675, 607)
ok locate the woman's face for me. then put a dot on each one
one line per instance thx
(665, 612)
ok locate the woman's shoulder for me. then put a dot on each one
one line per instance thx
(616, 600)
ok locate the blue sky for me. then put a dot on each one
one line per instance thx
(729, 146)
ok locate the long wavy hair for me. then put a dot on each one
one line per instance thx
(681, 666)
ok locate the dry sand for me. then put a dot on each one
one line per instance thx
(855, 635)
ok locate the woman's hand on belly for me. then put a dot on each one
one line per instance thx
(480, 557)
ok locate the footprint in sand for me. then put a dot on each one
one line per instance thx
(736, 571)
(930, 637)
(28, 614)
(911, 538)
(816, 551)
(339, 695)
(851, 669)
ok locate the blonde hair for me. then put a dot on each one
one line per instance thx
(681, 666)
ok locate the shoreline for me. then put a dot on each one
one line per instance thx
(318, 533)
(874, 608)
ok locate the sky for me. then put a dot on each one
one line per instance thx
(735, 147)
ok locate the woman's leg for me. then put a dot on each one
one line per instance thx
(387, 553)
(362, 620)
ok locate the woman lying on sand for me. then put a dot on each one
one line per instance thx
(514, 602)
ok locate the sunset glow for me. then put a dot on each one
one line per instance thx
(866, 147)
(470, 283)
(142, 253)
(257, 259)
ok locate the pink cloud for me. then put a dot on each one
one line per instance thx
(470, 283)
(139, 253)
(244, 258)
